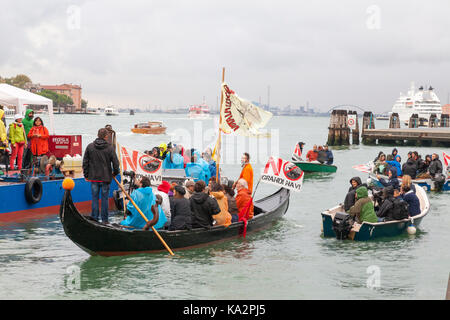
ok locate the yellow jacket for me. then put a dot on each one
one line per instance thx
(3, 137)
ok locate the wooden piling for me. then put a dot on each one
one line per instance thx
(444, 123)
(413, 121)
(368, 123)
(433, 122)
(355, 132)
(331, 128)
(447, 297)
(394, 121)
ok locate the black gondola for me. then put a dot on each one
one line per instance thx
(110, 240)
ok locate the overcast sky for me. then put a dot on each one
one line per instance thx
(140, 53)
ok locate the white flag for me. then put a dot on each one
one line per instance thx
(241, 117)
(142, 164)
(283, 173)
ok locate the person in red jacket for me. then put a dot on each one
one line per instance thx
(312, 154)
(38, 137)
(244, 200)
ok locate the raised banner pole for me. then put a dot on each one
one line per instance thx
(121, 179)
(220, 127)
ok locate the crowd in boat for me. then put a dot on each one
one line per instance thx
(321, 154)
(396, 199)
(201, 202)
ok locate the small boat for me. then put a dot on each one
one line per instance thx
(308, 167)
(151, 127)
(111, 112)
(369, 231)
(112, 240)
(428, 184)
(200, 111)
(93, 111)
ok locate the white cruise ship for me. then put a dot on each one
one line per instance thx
(423, 102)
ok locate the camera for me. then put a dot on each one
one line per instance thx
(130, 174)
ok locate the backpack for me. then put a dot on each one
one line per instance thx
(400, 210)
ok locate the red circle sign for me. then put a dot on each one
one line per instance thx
(149, 164)
(292, 172)
(351, 122)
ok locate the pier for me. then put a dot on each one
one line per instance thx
(408, 136)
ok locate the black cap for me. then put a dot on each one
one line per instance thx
(180, 189)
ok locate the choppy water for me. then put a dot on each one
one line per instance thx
(287, 261)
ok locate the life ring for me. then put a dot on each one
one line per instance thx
(33, 190)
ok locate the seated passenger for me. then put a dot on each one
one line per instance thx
(413, 201)
(435, 167)
(312, 154)
(394, 164)
(224, 217)
(148, 203)
(386, 211)
(180, 209)
(380, 164)
(163, 190)
(350, 197)
(410, 168)
(330, 158)
(232, 207)
(407, 182)
(203, 207)
(392, 178)
(244, 201)
(321, 155)
(363, 209)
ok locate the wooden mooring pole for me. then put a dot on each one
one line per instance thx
(368, 123)
(447, 297)
(445, 121)
(394, 121)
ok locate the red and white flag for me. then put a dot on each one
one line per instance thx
(241, 117)
(283, 173)
(298, 150)
(367, 168)
(142, 164)
(446, 159)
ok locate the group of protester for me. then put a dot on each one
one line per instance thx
(415, 166)
(177, 207)
(194, 204)
(27, 138)
(321, 154)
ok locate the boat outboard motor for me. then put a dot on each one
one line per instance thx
(342, 224)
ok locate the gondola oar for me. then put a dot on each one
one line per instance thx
(144, 217)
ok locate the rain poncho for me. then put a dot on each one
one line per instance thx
(144, 199)
(199, 169)
(175, 161)
(27, 121)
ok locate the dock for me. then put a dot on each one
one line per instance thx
(408, 136)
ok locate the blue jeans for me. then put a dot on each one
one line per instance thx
(96, 188)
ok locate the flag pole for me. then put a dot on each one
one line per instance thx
(220, 129)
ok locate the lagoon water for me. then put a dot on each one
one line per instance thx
(287, 261)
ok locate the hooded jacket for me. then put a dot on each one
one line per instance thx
(350, 197)
(363, 208)
(224, 217)
(393, 181)
(203, 209)
(38, 145)
(435, 167)
(100, 162)
(410, 168)
(17, 133)
(27, 121)
(243, 197)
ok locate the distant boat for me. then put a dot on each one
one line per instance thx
(200, 111)
(93, 111)
(111, 112)
(131, 112)
(383, 117)
(151, 127)
(308, 167)
(422, 102)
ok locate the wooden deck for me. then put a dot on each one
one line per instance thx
(397, 135)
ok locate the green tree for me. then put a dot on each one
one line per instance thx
(19, 80)
(84, 104)
(59, 100)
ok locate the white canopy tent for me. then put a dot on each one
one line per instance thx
(13, 96)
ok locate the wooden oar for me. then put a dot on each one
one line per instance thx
(144, 217)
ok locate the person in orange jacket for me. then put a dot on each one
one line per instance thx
(243, 199)
(247, 172)
(38, 137)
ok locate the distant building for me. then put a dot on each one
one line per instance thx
(71, 90)
(446, 109)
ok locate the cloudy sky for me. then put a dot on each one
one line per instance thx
(162, 52)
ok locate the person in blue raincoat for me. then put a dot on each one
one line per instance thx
(146, 200)
(207, 156)
(173, 159)
(198, 169)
